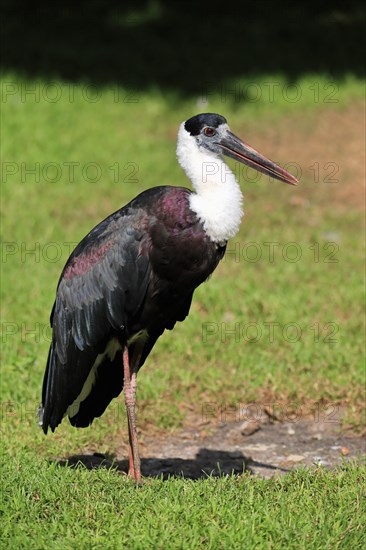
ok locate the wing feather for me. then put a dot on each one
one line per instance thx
(102, 285)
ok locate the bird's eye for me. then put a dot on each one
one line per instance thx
(209, 131)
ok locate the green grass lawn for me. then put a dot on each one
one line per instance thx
(281, 319)
(65, 508)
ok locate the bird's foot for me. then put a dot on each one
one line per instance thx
(135, 475)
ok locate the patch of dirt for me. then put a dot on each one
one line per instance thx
(329, 146)
(264, 447)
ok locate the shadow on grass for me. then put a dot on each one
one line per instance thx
(186, 49)
(208, 462)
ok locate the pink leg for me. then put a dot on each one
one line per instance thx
(130, 400)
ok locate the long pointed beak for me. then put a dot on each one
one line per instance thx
(235, 148)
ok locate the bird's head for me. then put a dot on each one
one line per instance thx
(210, 135)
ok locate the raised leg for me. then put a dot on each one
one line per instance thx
(130, 400)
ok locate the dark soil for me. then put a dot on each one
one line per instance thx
(265, 447)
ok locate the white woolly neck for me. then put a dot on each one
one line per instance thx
(218, 200)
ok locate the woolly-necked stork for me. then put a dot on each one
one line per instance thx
(134, 274)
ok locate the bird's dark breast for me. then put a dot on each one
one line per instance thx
(180, 251)
(184, 257)
(181, 255)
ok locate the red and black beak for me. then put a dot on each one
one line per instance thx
(235, 148)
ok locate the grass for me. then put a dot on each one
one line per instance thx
(67, 508)
(223, 353)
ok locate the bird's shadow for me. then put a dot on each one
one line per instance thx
(207, 462)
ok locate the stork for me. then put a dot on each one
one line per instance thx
(134, 275)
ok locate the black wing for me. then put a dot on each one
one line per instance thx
(102, 285)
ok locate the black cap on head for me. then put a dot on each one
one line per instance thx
(195, 124)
